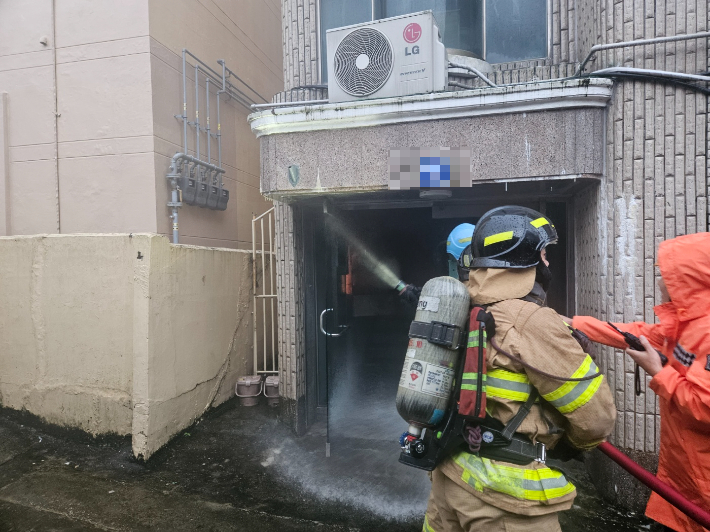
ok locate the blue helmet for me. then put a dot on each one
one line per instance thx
(459, 239)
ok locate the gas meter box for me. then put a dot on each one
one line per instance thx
(223, 199)
(188, 185)
(212, 196)
(202, 191)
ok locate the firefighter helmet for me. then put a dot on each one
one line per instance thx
(511, 237)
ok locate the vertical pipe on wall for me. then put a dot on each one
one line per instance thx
(207, 113)
(174, 197)
(184, 102)
(197, 112)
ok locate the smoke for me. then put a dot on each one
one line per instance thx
(369, 260)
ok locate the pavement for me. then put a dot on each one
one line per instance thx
(236, 469)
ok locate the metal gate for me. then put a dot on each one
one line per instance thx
(264, 309)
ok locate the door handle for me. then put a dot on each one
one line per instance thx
(322, 325)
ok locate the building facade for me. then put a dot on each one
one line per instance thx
(615, 154)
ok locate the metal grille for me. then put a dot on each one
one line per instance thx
(363, 62)
(264, 293)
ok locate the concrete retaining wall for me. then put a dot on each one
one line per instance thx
(122, 334)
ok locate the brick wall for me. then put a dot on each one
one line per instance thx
(656, 180)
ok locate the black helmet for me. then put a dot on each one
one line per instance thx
(511, 237)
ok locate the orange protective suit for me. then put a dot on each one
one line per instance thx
(683, 386)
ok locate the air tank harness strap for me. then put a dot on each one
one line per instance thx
(437, 332)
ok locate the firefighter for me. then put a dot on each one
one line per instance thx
(683, 385)
(458, 255)
(482, 491)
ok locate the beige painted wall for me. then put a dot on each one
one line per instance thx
(196, 341)
(120, 333)
(80, 116)
(90, 114)
(66, 329)
(246, 34)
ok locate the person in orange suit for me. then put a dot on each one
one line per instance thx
(683, 384)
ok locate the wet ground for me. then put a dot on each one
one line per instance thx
(237, 469)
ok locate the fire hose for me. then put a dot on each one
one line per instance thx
(670, 494)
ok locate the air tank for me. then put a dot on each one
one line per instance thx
(427, 378)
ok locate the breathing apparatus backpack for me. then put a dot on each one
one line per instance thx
(441, 387)
(427, 443)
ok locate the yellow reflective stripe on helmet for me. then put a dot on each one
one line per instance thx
(540, 485)
(573, 394)
(499, 237)
(427, 527)
(464, 240)
(503, 384)
(539, 222)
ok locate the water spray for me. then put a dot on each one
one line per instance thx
(371, 262)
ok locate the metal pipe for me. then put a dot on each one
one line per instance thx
(197, 112)
(175, 203)
(475, 71)
(207, 111)
(461, 85)
(648, 72)
(263, 285)
(195, 160)
(242, 81)
(184, 101)
(287, 104)
(174, 197)
(219, 121)
(657, 40)
(272, 291)
(254, 294)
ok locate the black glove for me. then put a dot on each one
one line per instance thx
(411, 294)
(582, 339)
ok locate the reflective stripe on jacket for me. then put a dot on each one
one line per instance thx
(583, 411)
(522, 482)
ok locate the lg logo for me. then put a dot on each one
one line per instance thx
(412, 32)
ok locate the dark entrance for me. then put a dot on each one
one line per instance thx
(354, 360)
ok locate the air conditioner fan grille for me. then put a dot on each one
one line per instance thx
(348, 62)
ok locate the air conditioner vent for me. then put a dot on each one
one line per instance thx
(363, 62)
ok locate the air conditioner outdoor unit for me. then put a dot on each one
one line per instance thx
(395, 56)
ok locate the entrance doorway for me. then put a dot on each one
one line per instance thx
(357, 325)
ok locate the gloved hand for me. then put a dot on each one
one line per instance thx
(582, 339)
(410, 294)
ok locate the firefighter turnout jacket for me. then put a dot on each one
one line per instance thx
(583, 412)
